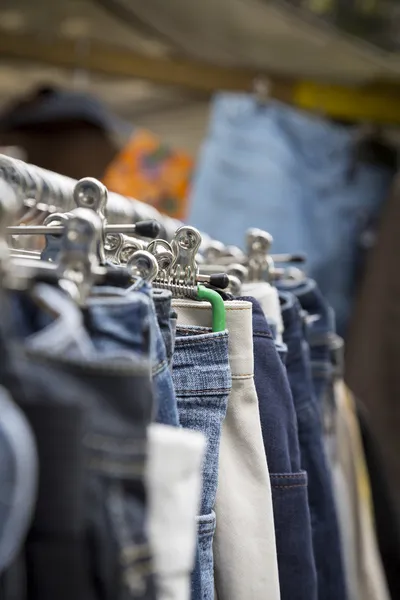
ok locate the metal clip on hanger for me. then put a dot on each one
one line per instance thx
(129, 246)
(164, 255)
(143, 264)
(52, 241)
(260, 265)
(183, 273)
(78, 261)
(9, 207)
(91, 194)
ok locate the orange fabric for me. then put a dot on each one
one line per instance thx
(152, 172)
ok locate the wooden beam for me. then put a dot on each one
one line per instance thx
(113, 61)
(377, 103)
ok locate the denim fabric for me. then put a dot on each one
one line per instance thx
(18, 478)
(54, 563)
(297, 575)
(320, 329)
(295, 175)
(116, 449)
(162, 301)
(126, 319)
(325, 528)
(90, 413)
(277, 412)
(202, 382)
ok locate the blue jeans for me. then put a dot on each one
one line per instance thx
(320, 330)
(202, 381)
(325, 528)
(295, 175)
(18, 478)
(165, 316)
(90, 412)
(297, 575)
(126, 319)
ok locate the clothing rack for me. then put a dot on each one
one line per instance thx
(47, 190)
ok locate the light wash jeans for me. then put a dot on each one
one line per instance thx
(295, 175)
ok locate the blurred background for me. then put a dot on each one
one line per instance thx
(231, 114)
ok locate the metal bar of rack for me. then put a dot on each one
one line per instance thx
(39, 188)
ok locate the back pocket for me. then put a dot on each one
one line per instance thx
(205, 530)
(297, 575)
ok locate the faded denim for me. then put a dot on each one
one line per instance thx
(296, 175)
(98, 408)
(126, 319)
(162, 301)
(324, 521)
(202, 381)
(297, 574)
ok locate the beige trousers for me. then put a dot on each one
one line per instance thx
(174, 481)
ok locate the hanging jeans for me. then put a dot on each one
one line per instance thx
(324, 521)
(244, 544)
(90, 414)
(297, 574)
(295, 175)
(126, 319)
(320, 330)
(202, 382)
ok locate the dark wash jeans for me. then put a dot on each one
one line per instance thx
(325, 528)
(90, 415)
(320, 329)
(202, 381)
(297, 574)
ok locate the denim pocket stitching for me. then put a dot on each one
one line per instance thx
(210, 392)
(263, 334)
(159, 368)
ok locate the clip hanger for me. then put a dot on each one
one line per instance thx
(182, 275)
(78, 260)
(143, 264)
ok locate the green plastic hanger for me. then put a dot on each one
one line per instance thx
(218, 307)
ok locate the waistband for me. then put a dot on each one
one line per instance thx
(321, 322)
(117, 399)
(260, 324)
(292, 316)
(201, 362)
(46, 318)
(239, 326)
(268, 298)
(123, 318)
(162, 301)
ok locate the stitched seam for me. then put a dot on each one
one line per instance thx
(264, 334)
(185, 392)
(101, 367)
(288, 487)
(227, 308)
(198, 331)
(159, 368)
(286, 476)
(188, 342)
(243, 376)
